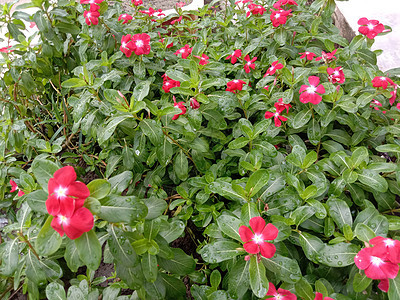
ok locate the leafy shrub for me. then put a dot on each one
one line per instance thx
(187, 130)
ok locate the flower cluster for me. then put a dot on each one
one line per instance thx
(235, 85)
(185, 51)
(169, 83)
(138, 43)
(279, 108)
(383, 82)
(14, 187)
(380, 261)
(308, 93)
(248, 62)
(279, 17)
(255, 238)
(92, 15)
(370, 28)
(65, 203)
(335, 75)
(181, 106)
(125, 18)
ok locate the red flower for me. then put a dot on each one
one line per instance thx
(165, 77)
(249, 64)
(91, 1)
(203, 59)
(194, 103)
(137, 2)
(255, 9)
(374, 262)
(180, 4)
(141, 43)
(152, 12)
(392, 247)
(235, 85)
(255, 242)
(375, 102)
(279, 17)
(370, 28)
(327, 57)
(180, 105)
(279, 108)
(176, 20)
(335, 75)
(169, 84)
(281, 294)
(14, 187)
(235, 55)
(280, 3)
(382, 81)
(275, 66)
(384, 285)
(126, 45)
(307, 55)
(5, 49)
(309, 93)
(319, 296)
(394, 95)
(91, 16)
(32, 24)
(185, 51)
(125, 17)
(74, 225)
(65, 193)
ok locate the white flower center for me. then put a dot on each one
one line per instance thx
(307, 53)
(88, 15)
(61, 192)
(271, 68)
(123, 45)
(311, 89)
(376, 261)
(139, 43)
(63, 220)
(336, 73)
(277, 16)
(182, 51)
(249, 63)
(389, 242)
(236, 81)
(137, 152)
(278, 297)
(258, 238)
(167, 83)
(276, 114)
(370, 26)
(383, 78)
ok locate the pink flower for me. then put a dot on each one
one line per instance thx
(279, 108)
(327, 57)
(14, 187)
(65, 193)
(384, 285)
(375, 102)
(370, 28)
(137, 2)
(281, 294)
(392, 247)
(180, 4)
(185, 51)
(394, 95)
(180, 105)
(309, 93)
(319, 296)
(203, 59)
(279, 17)
(255, 9)
(254, 240)
(91, 17)
(5, 49)
(91, 1)
(382, 81)
(335, 75)
(307, 55)
(194, 104)
(125, 17)
(235, 85)
(73, 224)
(152, 12)
(235, 55)
(32, 24)
(126, 45)
(169, 84)
(176, 20)
(375, 263)
(279, 3)
(249, 63)
(141, 43)
(274, 66)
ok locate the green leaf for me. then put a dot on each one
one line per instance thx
(229, 225)
(174, 231)
(219, 251)
(394, 222)
(285, 268)
(33, 270)
(359, 155)
(126, 209)
(302, 213)
(304, 289)
(112, 124)
(363, 232)
(164, 152)
(309, 192)
(373, 180)
(225, 190)
(10, 258)
(239, 143)
(175, 288)
(99, 188)
(256, 182)
(155, 207)
(181, 263)
(361, 282)
(71, 256)
(339, 212)
(152, 130)
(258, 280)
(48, 240)
(156, 289)
(121, 248)
(311, 245)
(280, 36)
(149, 267)
(388, 148)
(89, 249)
(133, 277)
(338, 255)
(215, 118)
(356, 43)
(309, 159)
(177, 75)
(249, 210)
(238, 278)
(301, 118)
(43, 170)
(181, 166)
(141, 90)
(394, 288)
(297, 156)
(55, 291)
(73, 83)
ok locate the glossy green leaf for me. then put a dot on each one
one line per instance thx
(338, 255)
(220, 251)
(373, 180)
(99, 188)
(339, 212)
(48, 240)
(120, 247)
(43, 170)
(256, 181)
(361, 282)
(285, 268)
(181, 263)
(117, 209)
(89, 249)
(304, 289)
(229, 225)
(257, 278)
(149, 267)
(55, 291)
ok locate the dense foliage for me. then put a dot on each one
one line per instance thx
(222, 153)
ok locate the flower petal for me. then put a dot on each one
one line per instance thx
(65, 176)
(56, 224)
(245, 233)
(81, 221)
(251, 247)
(320, 89)
(257, 224)
(271, 290)
(313, 80)
(270, 232)
(53, 205)
(78, 189)
(267, 249)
